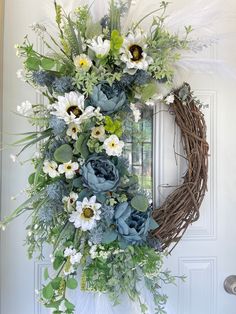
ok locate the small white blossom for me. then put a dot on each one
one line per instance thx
(74, 256)
(100, 47)
(73, 131)
(93, 251)
(50, 168)
(136, 112)
(69, 169)
(170, 99)
(113, 146)
(13, 158)
(70, 200)
(98, 133)
(20, 75)
(82, 62)
(25, 109)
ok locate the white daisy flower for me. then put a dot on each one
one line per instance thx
(73, 131)
(50, 168)
(136, 112)
(71, 109)
(98, 133)
(25, 109)
(82, 62)
(133, 52)
(169, 99)
(70, 200)
(69, 169)
(100, 47)
(113, 146)
(86, 214)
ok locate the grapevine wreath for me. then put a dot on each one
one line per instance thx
(85, 200)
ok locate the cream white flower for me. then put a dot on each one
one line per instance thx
(13, 158)
(113, 146)
(86, 214)
(136, 112)
(100, 47)
(69, 169)
(71, 108)
(70, 200)
(20, 75)
(133, 52)
(50, 168)
(98, 132)
(169, 99)
(25, 109)
(74, 256)
(93, 251)
(73, 131)
(82, 62)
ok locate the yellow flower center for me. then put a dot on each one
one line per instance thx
(88, 212)
(83, 63)
(136, 52)
(68, 167)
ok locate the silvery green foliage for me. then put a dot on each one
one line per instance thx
(109, 98)
(58, 126)
(141, 77)
(49, 210)
(132, 225)
(96, 235)
(63, 85)
(100, 174)
(108, 213)
(43, 78)
(56, 191)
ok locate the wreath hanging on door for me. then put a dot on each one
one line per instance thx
(83, 198)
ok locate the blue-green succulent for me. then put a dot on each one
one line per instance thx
(100, 174)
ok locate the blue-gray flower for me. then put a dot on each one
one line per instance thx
(100, 174)
(108, 98)
(132, 225)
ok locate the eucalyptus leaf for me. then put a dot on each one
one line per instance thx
(140, 202)
(72, 283)
(64, 153)
(109, 237)
(48, 291)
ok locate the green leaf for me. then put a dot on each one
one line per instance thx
(56, 283)
(48, 291)
(72, 283)
(140, 202)
(47, 63)
(46, 274)
(81, 145)
(148, 91)
(77, 183)
(32, 63)
(64, 153)
(31, 178)
(58, 261)
(69, 306)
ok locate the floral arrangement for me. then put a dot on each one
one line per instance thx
(84, 200)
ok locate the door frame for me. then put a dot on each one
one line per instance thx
(1, 113)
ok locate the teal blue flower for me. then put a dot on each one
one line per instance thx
(132, 225)
(108, 98)
(100, 174)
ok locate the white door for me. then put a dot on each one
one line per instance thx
(207, 254)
